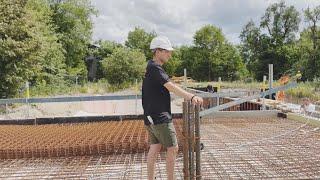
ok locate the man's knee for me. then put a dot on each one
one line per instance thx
(154, 149)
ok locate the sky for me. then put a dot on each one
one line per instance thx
(180, 19)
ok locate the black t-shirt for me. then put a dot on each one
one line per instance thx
(155, 97)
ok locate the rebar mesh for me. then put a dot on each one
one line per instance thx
(235, 148)
(74, 139)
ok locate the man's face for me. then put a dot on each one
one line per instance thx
(164, 55)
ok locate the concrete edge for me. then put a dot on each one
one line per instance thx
(79, 119)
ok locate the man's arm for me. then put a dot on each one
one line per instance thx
(182, 93)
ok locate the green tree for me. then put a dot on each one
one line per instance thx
(20, 56)
(52, 63)
(250, 47)
(228, 63)
(280, 24)
(72, 19)
(172, 66)
(312, 16)
(105, 49)
(193, 60)
(124, 65)
(212, 56)
(209, 38)
(140, 39)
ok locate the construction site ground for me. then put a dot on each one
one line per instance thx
(235, 148)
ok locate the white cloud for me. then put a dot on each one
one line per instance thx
(179, 19)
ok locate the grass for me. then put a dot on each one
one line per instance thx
(100, 87)
(307, 89)
(304, 89)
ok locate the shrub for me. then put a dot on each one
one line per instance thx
(124, 65)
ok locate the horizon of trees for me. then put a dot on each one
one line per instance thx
(45, 42)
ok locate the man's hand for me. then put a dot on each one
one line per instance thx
(196, 100)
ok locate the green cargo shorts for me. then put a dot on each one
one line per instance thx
(164, 134)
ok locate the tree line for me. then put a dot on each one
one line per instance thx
(46, 42)
(277, 40)
(42, 41)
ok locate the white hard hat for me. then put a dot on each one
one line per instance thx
(161, 42)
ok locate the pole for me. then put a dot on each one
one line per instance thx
(185, 76)
(218, 90)
(263, 89)
(77, 80)
(219, 84)
(27, 90)
(136, 104)
(7, 111)
(270, 76)
(27, 98)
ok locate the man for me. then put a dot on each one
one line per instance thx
(157, 109)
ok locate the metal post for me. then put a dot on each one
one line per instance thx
(185, 76)
(136, 105)
(27, 98)
(197, 138)
(263, 89)
(218, 90)
(76, 80)
(219, 84)
(218, 100)
(270, 76)
(7, 111)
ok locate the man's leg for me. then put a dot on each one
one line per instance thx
(152, 157)
(171, 159)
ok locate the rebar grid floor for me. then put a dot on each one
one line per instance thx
(258, 148)
(119, 166)
(65, 140)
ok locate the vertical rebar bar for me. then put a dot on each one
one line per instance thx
(191, 140)
(197, 138)
(185, 142)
